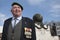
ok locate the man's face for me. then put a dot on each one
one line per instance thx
(16, 10)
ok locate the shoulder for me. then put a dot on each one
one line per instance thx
(27, 19)
(7, 20)
(29, 22)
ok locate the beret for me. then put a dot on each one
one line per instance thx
(15, 3)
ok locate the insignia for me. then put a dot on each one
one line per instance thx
(28, 32)
(25, 22)
(28, 29)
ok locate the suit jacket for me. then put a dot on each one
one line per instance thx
(26, 25)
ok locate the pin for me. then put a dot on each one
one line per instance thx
(28, 32)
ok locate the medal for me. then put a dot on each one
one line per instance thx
(28, 32)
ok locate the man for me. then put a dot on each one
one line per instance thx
(18, 27)
(53, 29)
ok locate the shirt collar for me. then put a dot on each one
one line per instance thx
(18, 18)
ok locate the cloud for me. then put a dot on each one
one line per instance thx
(2, 18)
(1, 29)
(55, 15)
(56, 6)
(49, 6)
(35, 2)
(55, 10)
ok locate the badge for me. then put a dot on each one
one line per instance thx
(28, 32)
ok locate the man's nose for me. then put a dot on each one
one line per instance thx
(16, 9)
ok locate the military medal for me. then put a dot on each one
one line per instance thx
(28, 32)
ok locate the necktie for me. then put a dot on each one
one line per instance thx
(15, 19)
(14, 24)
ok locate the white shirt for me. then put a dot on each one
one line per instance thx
(17, 20)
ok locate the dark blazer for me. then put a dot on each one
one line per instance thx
(26, 22)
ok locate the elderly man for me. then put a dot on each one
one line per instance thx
(18, 27)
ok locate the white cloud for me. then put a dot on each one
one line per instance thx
(2, 18)
(1, 29)
(56, 6)
(50, 6)
(55, 15)
(55, 10)
(35, 2)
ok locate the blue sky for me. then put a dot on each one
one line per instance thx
(49, 9)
